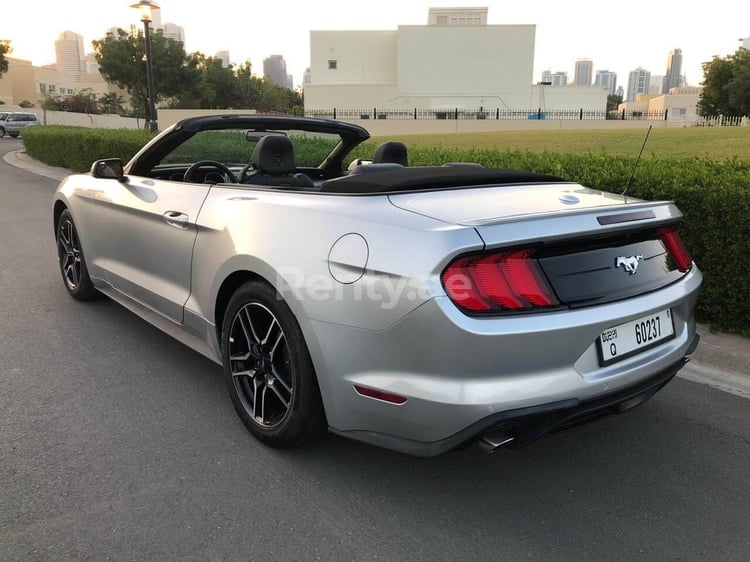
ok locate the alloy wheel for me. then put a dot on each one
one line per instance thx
(260, 365)
(69, 253)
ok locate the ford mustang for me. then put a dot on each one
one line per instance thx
(415, 308)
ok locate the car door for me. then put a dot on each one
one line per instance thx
(147, 228)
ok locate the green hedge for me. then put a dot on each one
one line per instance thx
(713, 195)
(76, 148)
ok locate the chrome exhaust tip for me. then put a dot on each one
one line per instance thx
(491, 443)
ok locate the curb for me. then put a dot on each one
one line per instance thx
(20, 159)
(721, 361)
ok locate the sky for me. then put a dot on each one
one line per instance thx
(617, 37)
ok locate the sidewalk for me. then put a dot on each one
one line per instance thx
(721, 360)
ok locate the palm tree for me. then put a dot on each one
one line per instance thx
(111, 103)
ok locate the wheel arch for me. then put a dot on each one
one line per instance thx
(227, 288)
(58, 209)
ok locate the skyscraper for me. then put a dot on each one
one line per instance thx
(674, 71)
(223, 56)
(638, 83)
(174, 32)
(607, 78)
(274, 69)
(555, 78)
(656, 84)
(69, 54)
(584, 72)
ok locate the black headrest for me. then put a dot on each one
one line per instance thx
(274, 155)
(391, 152)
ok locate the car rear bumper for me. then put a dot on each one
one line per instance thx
(462, 375)
(522, 426)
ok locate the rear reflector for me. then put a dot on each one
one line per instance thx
(498, 282)
(676, 248)
(380, 395)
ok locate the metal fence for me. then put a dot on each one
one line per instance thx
(487, 114)
(722, 121)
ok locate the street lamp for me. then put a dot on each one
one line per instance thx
(145, 7)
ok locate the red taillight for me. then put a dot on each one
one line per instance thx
(676, 248)
(380, 395)
(497, 282)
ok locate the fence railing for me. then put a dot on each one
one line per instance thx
(487, 114)
(721, 121)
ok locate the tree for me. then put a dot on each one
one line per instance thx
(26, 104)
(613, 102)
(726, 86)
(5, 49)
(111, 102)
(122, 61)
(81, 102)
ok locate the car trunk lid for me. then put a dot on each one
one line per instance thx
(592, 247)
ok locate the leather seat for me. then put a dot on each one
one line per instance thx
(274, 164)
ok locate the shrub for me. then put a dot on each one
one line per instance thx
(76, 148)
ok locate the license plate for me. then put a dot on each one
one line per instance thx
(625, 340)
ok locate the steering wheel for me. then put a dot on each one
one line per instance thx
(188, 176)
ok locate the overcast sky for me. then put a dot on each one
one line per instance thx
(616, 36)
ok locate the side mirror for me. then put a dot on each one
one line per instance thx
(111, 168)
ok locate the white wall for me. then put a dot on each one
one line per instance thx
(362, 57)
(349, 96)
(472, 61)
(423, 66)
(588, 98)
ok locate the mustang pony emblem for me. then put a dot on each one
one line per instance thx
(630, 263)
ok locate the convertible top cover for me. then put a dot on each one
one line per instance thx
(431, 177)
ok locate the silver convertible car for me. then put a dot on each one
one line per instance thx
(415, 308)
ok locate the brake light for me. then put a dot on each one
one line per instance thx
(498, 282)
(676, 248)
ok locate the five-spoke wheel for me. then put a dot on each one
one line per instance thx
(269, 372)
(260, 365)
(71, 260)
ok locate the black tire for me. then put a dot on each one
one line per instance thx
(14, 135)
(2, 132)
(71, 261)
(268, 369)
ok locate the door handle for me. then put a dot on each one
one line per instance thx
(176, 219)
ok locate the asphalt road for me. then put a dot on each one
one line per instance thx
(118, 443)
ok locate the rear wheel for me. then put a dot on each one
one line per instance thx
(72, 263)
(268, 369)
(14, 135)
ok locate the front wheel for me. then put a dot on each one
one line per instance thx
(2, 132)
(73, 268)
(14, 135)
(268, 369)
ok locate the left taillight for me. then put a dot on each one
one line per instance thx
(498, 282)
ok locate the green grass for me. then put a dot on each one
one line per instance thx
(716, 143)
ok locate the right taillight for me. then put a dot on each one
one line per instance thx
(498, 282)
(676, 248)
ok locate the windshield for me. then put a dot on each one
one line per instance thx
(234, 147)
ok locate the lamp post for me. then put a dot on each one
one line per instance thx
(145, 7)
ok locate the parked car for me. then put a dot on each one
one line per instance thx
(414, 308)
(13, 122)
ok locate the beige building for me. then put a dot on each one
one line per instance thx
(26, 82)
(679, 104)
